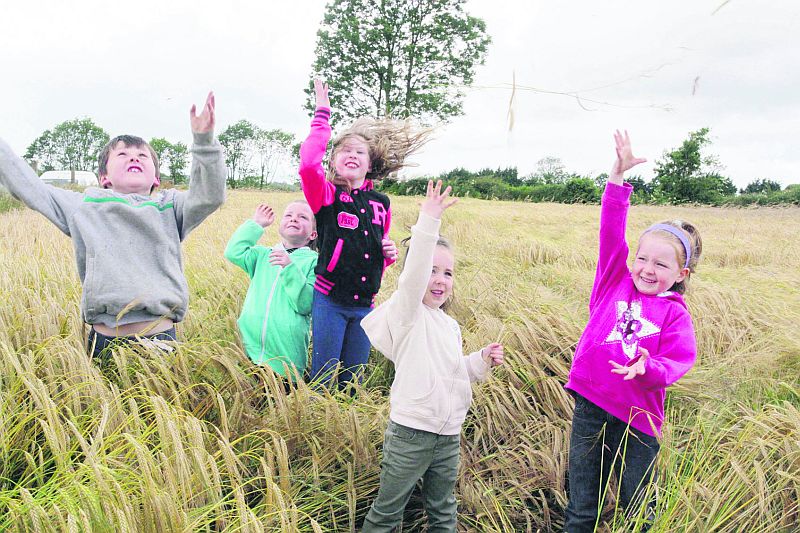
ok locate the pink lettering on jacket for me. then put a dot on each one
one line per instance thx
(344, 197)
(378, 213)
(348, 221)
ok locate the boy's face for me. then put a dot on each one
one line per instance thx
(297, 225)
(130, 169)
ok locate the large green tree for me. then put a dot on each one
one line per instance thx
(272, 147)
(72, 145)
(173, 156)
(686, 175)
(238, 140)
(398, 57)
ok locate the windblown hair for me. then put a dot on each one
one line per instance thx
(390, 143)
(695, 243)
(444, 243)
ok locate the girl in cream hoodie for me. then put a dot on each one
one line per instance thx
(431, 392)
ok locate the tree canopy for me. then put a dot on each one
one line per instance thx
(398, 57)
(71, 145)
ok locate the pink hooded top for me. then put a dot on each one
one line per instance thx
(622, 319)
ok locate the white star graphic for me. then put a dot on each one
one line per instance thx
(630, 328)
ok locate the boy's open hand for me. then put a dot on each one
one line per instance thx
(264, 215)
(437, 201)
(636, 369)
(493, 354)
(625, 158)
(204, 122)
(321, 93)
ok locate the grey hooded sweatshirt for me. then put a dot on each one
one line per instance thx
(127, 246)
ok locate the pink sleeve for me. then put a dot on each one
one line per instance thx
(676, 355)
(317, 190)
(612, 260)
(387, 223)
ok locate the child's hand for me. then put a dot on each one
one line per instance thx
(625, 158)
(279, 257)
(389, 249)
(436, 201)
(636, 369)
(204, 122)
(321, 93)
(264, 215)
(493, 354)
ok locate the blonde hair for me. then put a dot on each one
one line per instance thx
(695, 243)
(447, 245)
(390, 143)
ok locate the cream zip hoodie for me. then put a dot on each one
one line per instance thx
(432, 385)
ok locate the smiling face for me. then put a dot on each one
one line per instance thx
(351, 160)
(440, 284)
(297, 225)
(129, 169)
(655, 267)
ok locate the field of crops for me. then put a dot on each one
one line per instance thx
(199, 440)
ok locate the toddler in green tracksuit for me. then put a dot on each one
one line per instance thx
(276, 316)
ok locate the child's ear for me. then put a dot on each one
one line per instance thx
(105, 183)
(682, 275)
(312, 236)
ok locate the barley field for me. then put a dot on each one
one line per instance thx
(199, 440)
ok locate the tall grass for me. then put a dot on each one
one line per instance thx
(199, 440)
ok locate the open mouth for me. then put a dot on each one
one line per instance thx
(351, 164)
(437, 293)
(135, 168)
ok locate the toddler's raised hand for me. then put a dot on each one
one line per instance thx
(636, 369)
(625, 158)
(204, 122)
(280, 257)
(493, 354)
(264, 215)
(436, 201)
(321, 94)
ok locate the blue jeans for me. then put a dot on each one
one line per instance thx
(337, 338)
(599, 441)
(408, 456)
(98, 345)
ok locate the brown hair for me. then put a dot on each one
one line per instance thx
(444, 243)
(390, 142)
(695, 243)
(127, 140)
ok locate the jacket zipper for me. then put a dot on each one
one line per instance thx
(450, 396)
(266, 312)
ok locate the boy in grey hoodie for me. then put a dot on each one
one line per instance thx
(126, 240)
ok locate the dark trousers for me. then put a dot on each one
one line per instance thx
(410, 455)
(598, 442)
(338, 338)
(100, 346)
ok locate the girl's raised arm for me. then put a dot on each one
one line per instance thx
(317, 190)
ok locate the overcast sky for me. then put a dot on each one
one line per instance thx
(660, 69)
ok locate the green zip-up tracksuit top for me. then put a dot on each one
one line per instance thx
(276, 315)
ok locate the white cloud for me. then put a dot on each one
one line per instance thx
(137, 68)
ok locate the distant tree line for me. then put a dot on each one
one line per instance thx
(682, 175)
(253, 155)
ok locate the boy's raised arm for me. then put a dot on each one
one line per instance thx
(207, 180)
(56, 204)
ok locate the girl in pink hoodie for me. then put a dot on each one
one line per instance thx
(639, 340)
